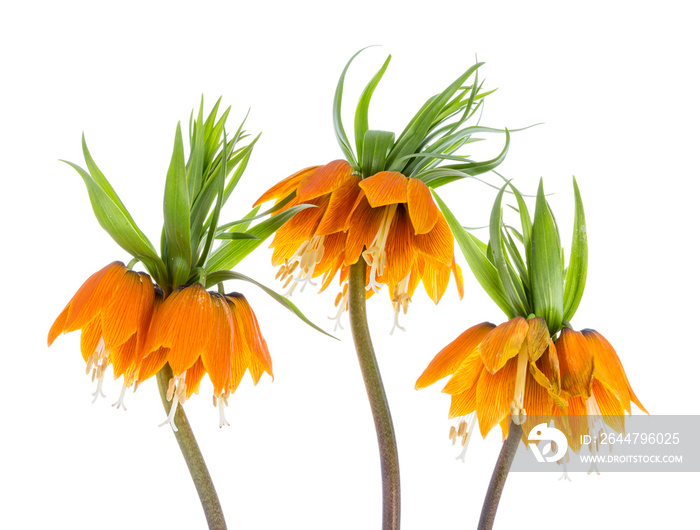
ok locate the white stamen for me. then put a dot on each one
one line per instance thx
(98, 362)
(375, 256)
(342, 307)
(400, 300)
(307, 256)
(120, 401)
(177, 393)
(222, 416)
(467, 436)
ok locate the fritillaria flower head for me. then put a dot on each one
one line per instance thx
(139, 322)
(534, 364)
(376, 204)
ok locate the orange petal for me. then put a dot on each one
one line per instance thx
(150, 300)
(503, 343)
(183, 324)
(217, 356)
(194, 376)
(466, 376)
(464, 403)
(608, 368)
(123, 356)
(609, 405)
(448, 360)
(283, 188)
(152, 364)
(120, 317)
(302, 226)
(337, 215)
(399, 247)
(494, 393)
(384, 188)
(247, 325)
(90, 338)
(457, 272)
(364, 225)
(536, 399)
(324, 180)
(58, 326)
(436, 278)
(421, 206)
(437, 244)
(575, 363)
(538, 338)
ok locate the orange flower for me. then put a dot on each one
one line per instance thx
(515, 369)
(113, 308)
(199, 332)
(389, 220)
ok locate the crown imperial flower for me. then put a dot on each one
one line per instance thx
(376, 205)
(535, 363)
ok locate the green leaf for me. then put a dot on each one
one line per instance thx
(362, 112)
(114, 219)
(376, 147)
(176, 215)
(525, 223)
(578, 262)
(424, 121)
(195, 164)
(220, 276)
(337, 119)
(232, 252)
(475, 253)
(511, 283)
(546, 272)
(218, 184)
(236, 235)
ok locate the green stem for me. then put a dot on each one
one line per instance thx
(388, 453)
(193, 457)
(498, 479)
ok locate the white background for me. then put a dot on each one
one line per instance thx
(615, 84)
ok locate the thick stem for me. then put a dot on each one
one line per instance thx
(388, 453)
(193, 457)
(498, 479)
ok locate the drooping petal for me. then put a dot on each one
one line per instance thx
(93, 296)
(466, 376)
(421, 206)
(494, 393)
(302, 226)
(399, 247)
(609, 405)
(464, 403)
(436, 278)
(217, 356)
(283, 188)
(182, 324)
(247, 325)
(194, 376)
(503, 343)
(364, 225)
(152, 364)
(123, 356)
(324, 180)
(608, 368)
(538, 338)
(536, 400)
(575, 363)
(58, 326)
(448, 360)
(384, 188)
(457, 272)
(342, 200)
(90, 337)
(437, 244)
(120, 317)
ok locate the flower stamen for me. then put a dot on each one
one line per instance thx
(177, 393)
(517, 410)
(120, 402)
(375, 256)
(400, 300)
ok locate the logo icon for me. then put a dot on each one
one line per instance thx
(541, 433)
